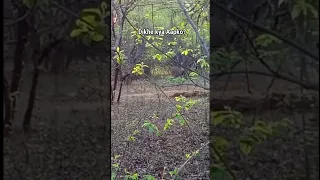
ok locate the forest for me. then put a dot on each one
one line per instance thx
(144, 89)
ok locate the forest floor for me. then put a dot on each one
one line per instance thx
(290, 155)
(158, 155)
(68, 138)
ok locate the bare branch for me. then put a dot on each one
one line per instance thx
(263, 29)
(19, 19)
(309, 86)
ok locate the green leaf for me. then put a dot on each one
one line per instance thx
(131, 138)
(29, 3)
(86, 39)
(296, 11)
(168, 124)
(113, 175)
(104, 8)
(104, 5)
(97, 37)
(193, 74)
(218, 119)
(264, 130)
(90, 21)
(149, 177)
(181, 120)
(218, 173)
(102, 29)
(151, 127)
(82, 25)
(246, 146)
(76, 32)
(185, 52)
(157, 57)
(172, 43)
(266, 39)
(94, 12)
(188, 156)
(220, 142)
(174, 172)
(313, 10)
(178, 107)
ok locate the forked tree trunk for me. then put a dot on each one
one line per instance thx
(33, 91)
(22, 33)
(31, 99)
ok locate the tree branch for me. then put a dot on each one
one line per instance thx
(263, 29)
(309, 86)
(19, 19)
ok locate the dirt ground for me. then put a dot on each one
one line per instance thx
(68, 139)
(154, 155)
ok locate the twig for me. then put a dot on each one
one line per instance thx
(294, 81)
(263, 29)
(189, 159)
(19, 19)
(215, 150)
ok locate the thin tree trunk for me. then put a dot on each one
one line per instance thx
(120, 88)
(115, 83)
(33, 91)
(7, 108)
(31, 99)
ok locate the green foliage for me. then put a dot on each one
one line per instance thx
(132, 136)
(120, 57)
(177, 80)
(149, 177)
(266, 39)
(159, 71)
(91, 25)
(158, 57)
(251, 136)
(152, 128)
(186, 51)
(115, 166)
(227, 117)
(168, 124)
(180, 119)
(183, 104)
(219, 173)
(303, 7)
(203, 64)
(174, 173)
(138, 37)
(139, 69)
(131, 176)
(223, 60)
(188, 44)
(220, 143)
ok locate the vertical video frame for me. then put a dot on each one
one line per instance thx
(160, 89)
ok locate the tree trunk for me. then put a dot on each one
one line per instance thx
(7, 108)
(31, 99)
(22, 33)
